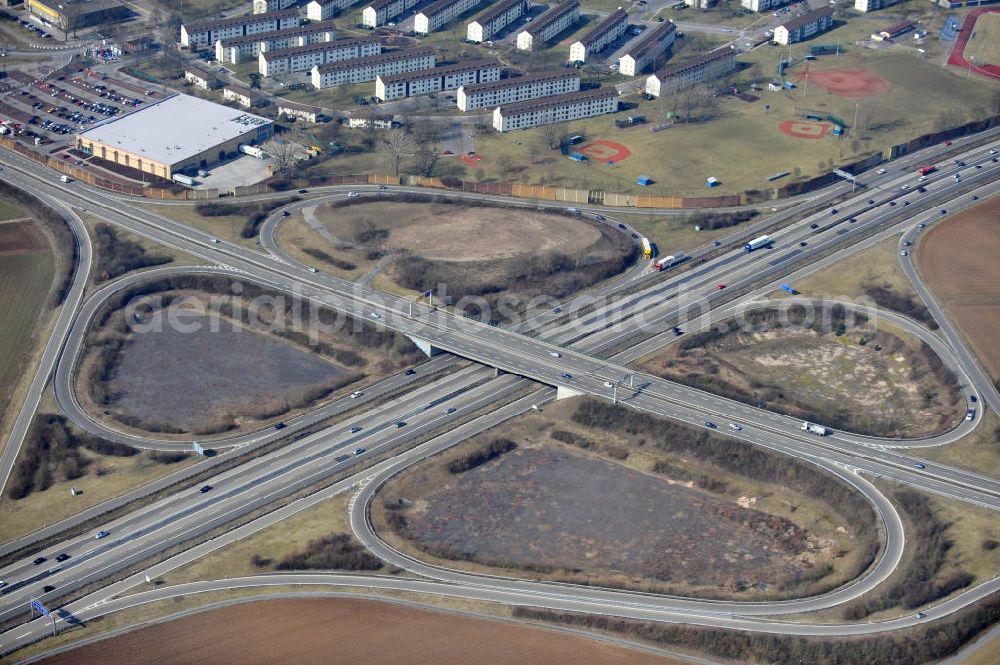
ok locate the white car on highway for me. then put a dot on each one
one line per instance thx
(735, 426)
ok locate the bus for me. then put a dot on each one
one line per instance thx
(647, 249)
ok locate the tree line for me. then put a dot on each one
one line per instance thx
(255, 213)
(337, 551)
(52, 452)
(481, 455)
(922, 580)
(913, 646)
(117, 255)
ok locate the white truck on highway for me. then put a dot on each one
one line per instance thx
(813, 428)
(756, 243)
(668, 262)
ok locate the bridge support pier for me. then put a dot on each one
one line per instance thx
(424, 346)
(562, 392)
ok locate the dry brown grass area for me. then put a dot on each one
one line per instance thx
(318, 630)
(865, 380)
(446, 232)
(240, 368)
(460, 250)
(581, 505)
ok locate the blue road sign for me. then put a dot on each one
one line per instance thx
(788, 288)
(40, 608)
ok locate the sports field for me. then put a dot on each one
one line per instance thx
(958, 258)
(983, 47)
(328, 631)
(895, 94)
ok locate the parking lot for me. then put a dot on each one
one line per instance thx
(50, 114)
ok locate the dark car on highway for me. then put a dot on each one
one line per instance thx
(205, 488)
(62, 557)
(40, 560)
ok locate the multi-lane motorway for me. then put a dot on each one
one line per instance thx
(559, 353)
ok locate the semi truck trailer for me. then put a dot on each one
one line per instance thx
(668, 262)
(813, 428)
(756, 243)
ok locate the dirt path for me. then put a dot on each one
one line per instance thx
(345, 632)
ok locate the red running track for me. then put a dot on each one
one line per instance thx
(957, 57)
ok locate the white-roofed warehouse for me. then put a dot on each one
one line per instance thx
(173, 134)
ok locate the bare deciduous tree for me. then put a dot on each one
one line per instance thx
(426, 159)
(868, 109)
(552, 134)
(282, 155)
(397, 145)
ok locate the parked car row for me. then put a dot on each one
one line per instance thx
(27, 25)
(107, 93)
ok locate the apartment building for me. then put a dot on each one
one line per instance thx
(496, 18)
(369, 68)
(436, 79)
(381, 12)
(245, 97)
(299, 111)
(763, 5)
(241, 49)
(264, 6)
(597, 38)
(804, 26)
(304, 58)
(439, 14)
(645, 51)
(873, 5)
(200, 78)
(555, 20)
(519, 89)
(206, 33)
(369, 120)
(323, 10)
(683, 75)
(550, 110)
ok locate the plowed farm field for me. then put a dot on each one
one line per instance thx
(346, 632)
(958, 259)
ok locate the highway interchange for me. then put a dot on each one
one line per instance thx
(639, 302)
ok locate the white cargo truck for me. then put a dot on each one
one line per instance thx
(814, 428)
(756, 243)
